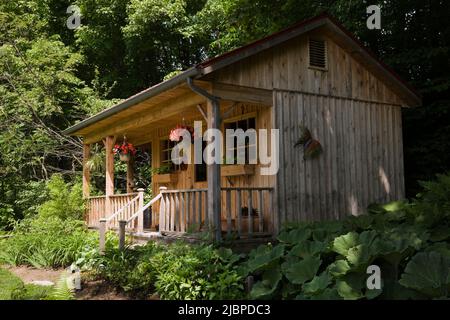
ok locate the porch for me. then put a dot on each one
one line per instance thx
(183, 213)
(223, 201)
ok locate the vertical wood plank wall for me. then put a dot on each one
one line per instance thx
(355, 116)
(361, 163)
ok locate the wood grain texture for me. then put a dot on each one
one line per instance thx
(360, 164)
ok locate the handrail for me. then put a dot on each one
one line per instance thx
(134, 216)
(246, 188)
(123, 194)
(184, 190)
(121, 209)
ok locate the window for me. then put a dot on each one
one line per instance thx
(200, 173)
(244, 124)
(166, 152)
(317, 54)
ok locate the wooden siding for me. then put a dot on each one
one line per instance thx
(361, 163)
(286, 67)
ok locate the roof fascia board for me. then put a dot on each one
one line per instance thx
(133, 100)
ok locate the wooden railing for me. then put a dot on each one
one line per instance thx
(124, 213)
(102, 207)
(129, 217)
(95, 210)
(247, 211)
(185, 211)
(182, 211)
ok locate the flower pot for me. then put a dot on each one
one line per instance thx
(165, 178)
(125, 157)
(231, 170)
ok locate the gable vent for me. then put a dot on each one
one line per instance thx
(317, 54)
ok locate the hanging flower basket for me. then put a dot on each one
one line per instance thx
(176, 134)
(125, 151)
(125, 157)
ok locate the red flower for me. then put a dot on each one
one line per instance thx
(125, 148)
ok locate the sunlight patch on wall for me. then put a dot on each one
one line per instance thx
(384, 180)
(353, 205)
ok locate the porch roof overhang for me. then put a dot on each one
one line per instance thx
(176, 88)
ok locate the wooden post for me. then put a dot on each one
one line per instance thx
(109, 174)
(102, 235)
(122, 224)
(130, 176)
(140, 227)
(213, 174)
(249, 281)
(86, 171)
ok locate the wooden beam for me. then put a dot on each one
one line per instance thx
(164, 110)
(213, 175)
(109, 165)
(130, 176)
(86, 171)
(242, 94)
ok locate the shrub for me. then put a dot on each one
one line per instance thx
(197, 272)
(65, 201)
(47, 242)
(174, 271)
(329, 260)
(130, 269)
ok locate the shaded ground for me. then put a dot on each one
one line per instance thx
(99, 290)
(29, 274)
(91, 289)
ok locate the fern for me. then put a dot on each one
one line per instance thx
(61, 291)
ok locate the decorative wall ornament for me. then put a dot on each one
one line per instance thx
(311, 147)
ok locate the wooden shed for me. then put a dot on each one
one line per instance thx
(314, 75)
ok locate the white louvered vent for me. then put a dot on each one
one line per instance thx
(317, 54)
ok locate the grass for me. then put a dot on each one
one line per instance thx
(13, 288)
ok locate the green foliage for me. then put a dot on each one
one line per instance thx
(12, 288)
(47, 242)
(175, 271)
(65, 201)
(329, 260)
(162, 169)
(61, 291)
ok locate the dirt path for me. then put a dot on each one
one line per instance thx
(91, 290)
(99, 290)
(30, 275)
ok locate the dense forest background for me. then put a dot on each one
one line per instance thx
(51, 76)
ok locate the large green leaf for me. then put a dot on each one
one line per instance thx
(347, 292)
(302, 271)
(427, 272)
(344, 243)
(263, 257)
(308, 248)
(339, 268)
(267, 286)
(350, 286)
(317, 284)
(294, 236)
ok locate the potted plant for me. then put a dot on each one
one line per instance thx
(164, 174)
(125, 151)
(230, 168)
